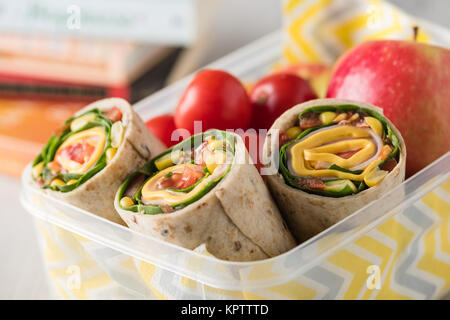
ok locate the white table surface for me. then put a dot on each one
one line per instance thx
(22, 275)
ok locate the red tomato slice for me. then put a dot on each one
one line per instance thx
(79, 152)
(347, 154)
(40, 181)
(182, 180)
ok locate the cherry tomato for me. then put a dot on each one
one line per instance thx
(217, 99)
(254, 142)
(274, 94)
(162, 127)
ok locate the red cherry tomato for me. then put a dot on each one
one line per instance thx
(276, 93)
(162, 127)
(254, 142)
(215, 98)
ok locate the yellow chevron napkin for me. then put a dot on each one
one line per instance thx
(408, 255)
(319, 31)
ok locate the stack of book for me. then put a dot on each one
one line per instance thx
(126, 49)
(45, 80)
(73, 69)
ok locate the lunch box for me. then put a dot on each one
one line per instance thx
(397, 247)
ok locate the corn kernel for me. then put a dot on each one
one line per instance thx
(126, 202)
(37, 170)
(214, 160)
(117, 132)
(340, 117)
(57, 182)
(168, 159)
(354, 117)
(110, 153)
(214, 144)
(293, 132)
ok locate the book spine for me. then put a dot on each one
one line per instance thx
(163, 22)
(32, 88)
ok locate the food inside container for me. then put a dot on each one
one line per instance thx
(85, 161)
(334, 157)
(321, 267)
(204, 191)
(155, 202)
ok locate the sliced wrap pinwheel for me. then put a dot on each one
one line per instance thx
(87, 159)
(205, 191)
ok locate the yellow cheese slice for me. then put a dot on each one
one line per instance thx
(321, 146)
(150, 193)
(327, 153)
(96, 137)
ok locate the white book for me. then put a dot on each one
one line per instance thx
(165, 22)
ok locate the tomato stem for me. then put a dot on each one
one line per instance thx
(262, 99)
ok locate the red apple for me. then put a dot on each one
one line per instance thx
(411, 82)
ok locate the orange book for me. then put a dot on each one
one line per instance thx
(25, 126)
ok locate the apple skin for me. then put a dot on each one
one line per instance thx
(411, 82)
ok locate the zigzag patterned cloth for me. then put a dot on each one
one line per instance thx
(319, 31)
(411, 249)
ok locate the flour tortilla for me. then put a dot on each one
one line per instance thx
(308, 214)
(139, 145)
(237, 220)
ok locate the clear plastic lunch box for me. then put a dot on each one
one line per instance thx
(395, 247)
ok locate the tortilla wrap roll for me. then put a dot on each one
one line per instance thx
(93, 152)
(334, 157)
(205, 191)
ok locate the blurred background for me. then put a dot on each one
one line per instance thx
(56, 56)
